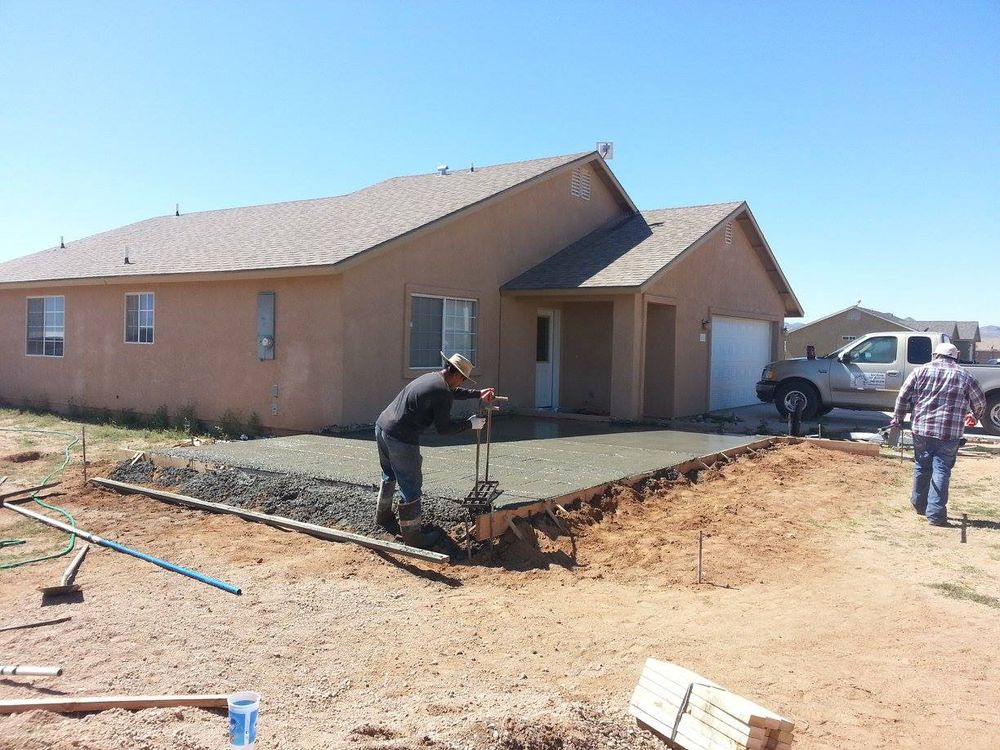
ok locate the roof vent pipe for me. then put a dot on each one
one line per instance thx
(62, 243)
(177, 209)
(442, 169)
(127, 261)
(472, 168)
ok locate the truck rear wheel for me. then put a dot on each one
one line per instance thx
(991, 418)
(786, 394)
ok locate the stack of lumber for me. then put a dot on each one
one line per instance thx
(697, 714)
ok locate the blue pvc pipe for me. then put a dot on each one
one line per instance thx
(94, 539)
(170, 566)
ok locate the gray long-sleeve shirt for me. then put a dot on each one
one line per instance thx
(425, 401)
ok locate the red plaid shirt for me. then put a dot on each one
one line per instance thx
(939, 395)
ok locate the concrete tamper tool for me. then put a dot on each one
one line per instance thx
(485, 491)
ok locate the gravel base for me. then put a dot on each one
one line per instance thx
(350, 507)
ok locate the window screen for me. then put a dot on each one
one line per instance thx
(441, 324)
(139, 310)
(45, 326)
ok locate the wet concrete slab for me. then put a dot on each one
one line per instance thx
(533, 459)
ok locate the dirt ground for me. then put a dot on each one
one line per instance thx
(826, 599)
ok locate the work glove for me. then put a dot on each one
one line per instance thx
(970, 420)
(477, 422)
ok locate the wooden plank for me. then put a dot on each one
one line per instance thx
(501, 518)
(732, 703)
(15, 493)
(322, 532)
(685, 737)
(694, 719)
(701, 710)
(103, 703)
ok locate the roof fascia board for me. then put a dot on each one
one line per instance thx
(797, 312)
(169, 278)
(581, 291)
(615, 184)
(864, 311)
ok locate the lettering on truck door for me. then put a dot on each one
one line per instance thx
(869, 374)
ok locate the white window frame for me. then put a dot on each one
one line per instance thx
(27, 302)
(139, 327)
(444, 299)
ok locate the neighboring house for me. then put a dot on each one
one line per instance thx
(314, 313)
(840, 328)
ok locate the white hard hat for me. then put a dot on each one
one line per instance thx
(947, 350)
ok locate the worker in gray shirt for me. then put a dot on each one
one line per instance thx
(424, 402)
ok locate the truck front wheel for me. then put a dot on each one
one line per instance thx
(991, 418)
(786, 394)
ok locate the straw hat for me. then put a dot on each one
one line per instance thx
(461, 364)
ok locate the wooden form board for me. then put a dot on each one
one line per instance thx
(699, 714)
(500, 520)
(323, 532)
(104, 703)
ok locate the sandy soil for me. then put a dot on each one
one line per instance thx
(819, 602)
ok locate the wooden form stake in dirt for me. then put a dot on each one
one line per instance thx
(28, 490)
(83, 429)
(699, 556)
(28, 670)
(103, 703)
(286, 524)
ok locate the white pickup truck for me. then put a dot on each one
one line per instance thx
(865, 374)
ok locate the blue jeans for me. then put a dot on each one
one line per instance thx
(933, 460)
(400, 463)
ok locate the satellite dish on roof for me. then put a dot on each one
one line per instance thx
(606, 149)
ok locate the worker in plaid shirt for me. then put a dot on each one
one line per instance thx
(944, 399)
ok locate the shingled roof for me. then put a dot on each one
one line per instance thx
(320, 232)
(625, 255)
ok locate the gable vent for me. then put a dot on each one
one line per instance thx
(729, 233)
(579, 185)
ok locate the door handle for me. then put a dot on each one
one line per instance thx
(892, 372)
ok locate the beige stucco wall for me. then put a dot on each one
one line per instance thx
(712, 279)
(585, 377)
(470, 258)
(827, 335)
(204, 351)
(341, 340)
(661, 334)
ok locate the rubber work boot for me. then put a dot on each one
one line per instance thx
(410, 523)
(383, 508)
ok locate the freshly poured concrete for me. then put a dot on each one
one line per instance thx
(533, 459)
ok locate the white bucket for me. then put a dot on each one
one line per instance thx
(243, 708)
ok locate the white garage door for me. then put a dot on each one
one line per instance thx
(740, 349)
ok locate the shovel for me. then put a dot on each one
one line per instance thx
(66, 586)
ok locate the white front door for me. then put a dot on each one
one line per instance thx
(740, 349)
(546, 360)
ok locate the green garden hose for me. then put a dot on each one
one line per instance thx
(72, 521)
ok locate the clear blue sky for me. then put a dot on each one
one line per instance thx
(863, 135)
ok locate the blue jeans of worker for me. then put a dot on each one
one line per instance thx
(933, 460)
(400, 463)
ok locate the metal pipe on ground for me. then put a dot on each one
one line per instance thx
(102, 542)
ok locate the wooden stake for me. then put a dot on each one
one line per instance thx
(29, 490)
(83, 428)
(103, 703)
(699, 556)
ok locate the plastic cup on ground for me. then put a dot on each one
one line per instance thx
(243, 709)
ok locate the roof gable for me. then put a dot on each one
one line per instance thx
(633, 253)
(297, 234)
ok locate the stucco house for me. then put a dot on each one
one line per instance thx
(315, 313)
(833, 331)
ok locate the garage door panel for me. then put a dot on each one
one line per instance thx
(740, 349)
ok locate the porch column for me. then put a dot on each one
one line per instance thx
(626, 357)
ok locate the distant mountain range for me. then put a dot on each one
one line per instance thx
(987, 332)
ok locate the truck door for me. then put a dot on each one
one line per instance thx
(868, 375)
